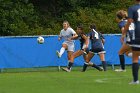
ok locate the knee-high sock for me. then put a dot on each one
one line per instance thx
(97, 67)
(85, 67)
(104, 65)
(62, 50)
(135, 69)
(122, 61)
(70, 65)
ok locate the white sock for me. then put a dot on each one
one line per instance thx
(130, 54)
(62, 50)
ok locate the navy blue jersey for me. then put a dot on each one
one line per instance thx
(134, 13)
(122, 24)
(96, 39)
(81, 39)
(129, 32)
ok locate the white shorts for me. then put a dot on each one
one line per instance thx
(70, 45)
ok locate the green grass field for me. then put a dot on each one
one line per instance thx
(91, 81)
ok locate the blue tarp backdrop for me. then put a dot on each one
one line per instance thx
(23, 52)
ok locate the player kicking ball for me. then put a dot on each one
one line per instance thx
(66, 33)
(97, 47)
(84, 42)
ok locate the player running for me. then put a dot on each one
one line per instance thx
(67, 33)
(84, 42)
(125, 49)
(97, 47)
(134, 17)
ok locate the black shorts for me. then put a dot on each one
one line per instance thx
(135, 49)
(135, 45)
(129, 43)
(98, 50)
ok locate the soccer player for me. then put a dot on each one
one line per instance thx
(97, 47)
(67, 33)
(134, 17)
(122, 20)
(84, 42)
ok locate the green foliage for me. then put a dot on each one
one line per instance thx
(100, 12)
(35, 17)
(17, 17)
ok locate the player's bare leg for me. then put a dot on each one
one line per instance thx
(124, 49)
(70, 64)
(76, 54)
(102, 58)
(71, 58)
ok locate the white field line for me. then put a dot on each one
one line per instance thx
(107, 80)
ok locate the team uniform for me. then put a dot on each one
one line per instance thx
(96, 42)
(129, 33)
(134, 13)
(126, 44)
(83, 46)
(66, 35)
(96, 48)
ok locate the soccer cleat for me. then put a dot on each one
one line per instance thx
(66, 69)
(58, 54)
(134, 82)
(120, 70)
(101, 69)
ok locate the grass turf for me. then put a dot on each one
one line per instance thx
(91, 81)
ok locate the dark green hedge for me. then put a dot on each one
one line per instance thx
(35, 17)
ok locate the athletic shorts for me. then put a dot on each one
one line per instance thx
(70, 45)
(135, 49)
(135, 45)
(98, 50)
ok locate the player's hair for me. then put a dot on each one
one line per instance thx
(121, 14)
(81, 27)
(93, 26)
(66, 22)
(137, 0)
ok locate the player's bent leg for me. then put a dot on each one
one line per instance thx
(123, 50)
(95, 66)
(87, 58)
(70, 64)
(75, 55)
(62, 50)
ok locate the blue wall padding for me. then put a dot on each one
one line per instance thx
(24, 52)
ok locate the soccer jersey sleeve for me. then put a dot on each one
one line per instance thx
(122, 24)
(60, 35)
(72, 31)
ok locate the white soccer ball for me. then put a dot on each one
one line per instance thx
(40, 40)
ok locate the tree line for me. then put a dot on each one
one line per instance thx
(36, 17)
